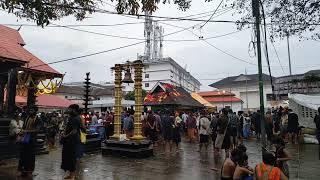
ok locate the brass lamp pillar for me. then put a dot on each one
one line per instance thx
(138, 65)
(118, 98)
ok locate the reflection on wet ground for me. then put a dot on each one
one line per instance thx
(187, 164)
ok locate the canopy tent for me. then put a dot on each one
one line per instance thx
(201, 100)
(110, 103)
(306, 107)
(312, 102)
(164, 94)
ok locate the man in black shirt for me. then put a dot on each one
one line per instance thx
(293, 125)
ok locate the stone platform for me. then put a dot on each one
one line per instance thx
(132, 149)
(93, 143)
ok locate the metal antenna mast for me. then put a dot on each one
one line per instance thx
(147, 34)
(154, 39)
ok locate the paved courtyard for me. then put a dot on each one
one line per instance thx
(185, 165)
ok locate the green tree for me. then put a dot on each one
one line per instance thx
(283, 17)
(44, 11)
(294, 17)
(130, 95)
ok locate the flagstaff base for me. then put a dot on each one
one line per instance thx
(93, 143)
(131, 148)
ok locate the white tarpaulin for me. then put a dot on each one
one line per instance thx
(312, 102)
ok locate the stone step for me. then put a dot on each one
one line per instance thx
(5, 121)
(92, 145)
(4, 130)
(93, 135)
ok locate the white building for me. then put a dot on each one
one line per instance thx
(246, 87)
(75, 91)
(168, 71)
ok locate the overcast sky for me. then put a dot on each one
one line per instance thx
(203, 61)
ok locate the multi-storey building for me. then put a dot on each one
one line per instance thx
(307, 83)
(167, 70)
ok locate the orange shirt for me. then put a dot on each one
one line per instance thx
(274, 174)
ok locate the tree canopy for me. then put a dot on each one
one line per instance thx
(130, 95)
(44, 11)
(294, 17)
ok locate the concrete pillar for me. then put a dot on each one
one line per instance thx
(11, 92)
(31, 99)
(3, 81)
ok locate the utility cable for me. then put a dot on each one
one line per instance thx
(96, 33)
(266, 49)
(101, 52)
(174, 18)
(75, 25)
(132, 38)
(277, 55)
(88, 55)
(224, 52)
(214, 12)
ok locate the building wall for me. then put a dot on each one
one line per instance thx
(235, 106)
(253, 94)
(170, 73)
(105, 97)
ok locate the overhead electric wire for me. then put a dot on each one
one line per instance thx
(214, 12)
(111, 35)
(87, 55)
(266, 49)
(132, 38)
(96, 33)
(101, 52)
(75, 25)
(94, 9)
(277, 55)
(224, 52)
(180, 17)
(198, 20)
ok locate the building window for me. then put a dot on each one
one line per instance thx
(146, 75)
(269, 97)
(146, 85)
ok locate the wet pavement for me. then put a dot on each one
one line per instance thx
(187, 164)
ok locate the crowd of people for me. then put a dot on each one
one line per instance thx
(225, 130)
(23, 130)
